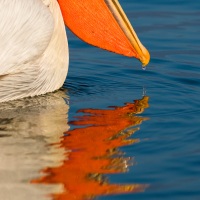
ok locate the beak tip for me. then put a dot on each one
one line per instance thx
(145, 58)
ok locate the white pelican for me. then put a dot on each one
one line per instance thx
(33, 43)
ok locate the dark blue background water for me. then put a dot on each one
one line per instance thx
(168, 155)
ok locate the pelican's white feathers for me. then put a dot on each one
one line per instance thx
(33, 48)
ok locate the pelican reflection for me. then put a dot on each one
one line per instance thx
(95, 152)
(28, 128)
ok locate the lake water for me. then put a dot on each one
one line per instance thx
(115, 131)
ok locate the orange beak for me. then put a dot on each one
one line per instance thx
(104, 24)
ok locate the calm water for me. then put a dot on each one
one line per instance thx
(145, 149)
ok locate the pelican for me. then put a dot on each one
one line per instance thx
(34, 55)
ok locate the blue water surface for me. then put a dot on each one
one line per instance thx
(168, 154)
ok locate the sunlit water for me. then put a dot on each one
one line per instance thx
(155, 151)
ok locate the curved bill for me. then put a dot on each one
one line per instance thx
(104, 24)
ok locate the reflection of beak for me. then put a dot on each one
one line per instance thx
(103, 23)
(141, 104)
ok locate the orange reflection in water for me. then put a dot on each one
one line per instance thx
(94, 152)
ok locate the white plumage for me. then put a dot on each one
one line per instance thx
(33, 48)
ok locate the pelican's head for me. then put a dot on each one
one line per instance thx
(104, 24)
